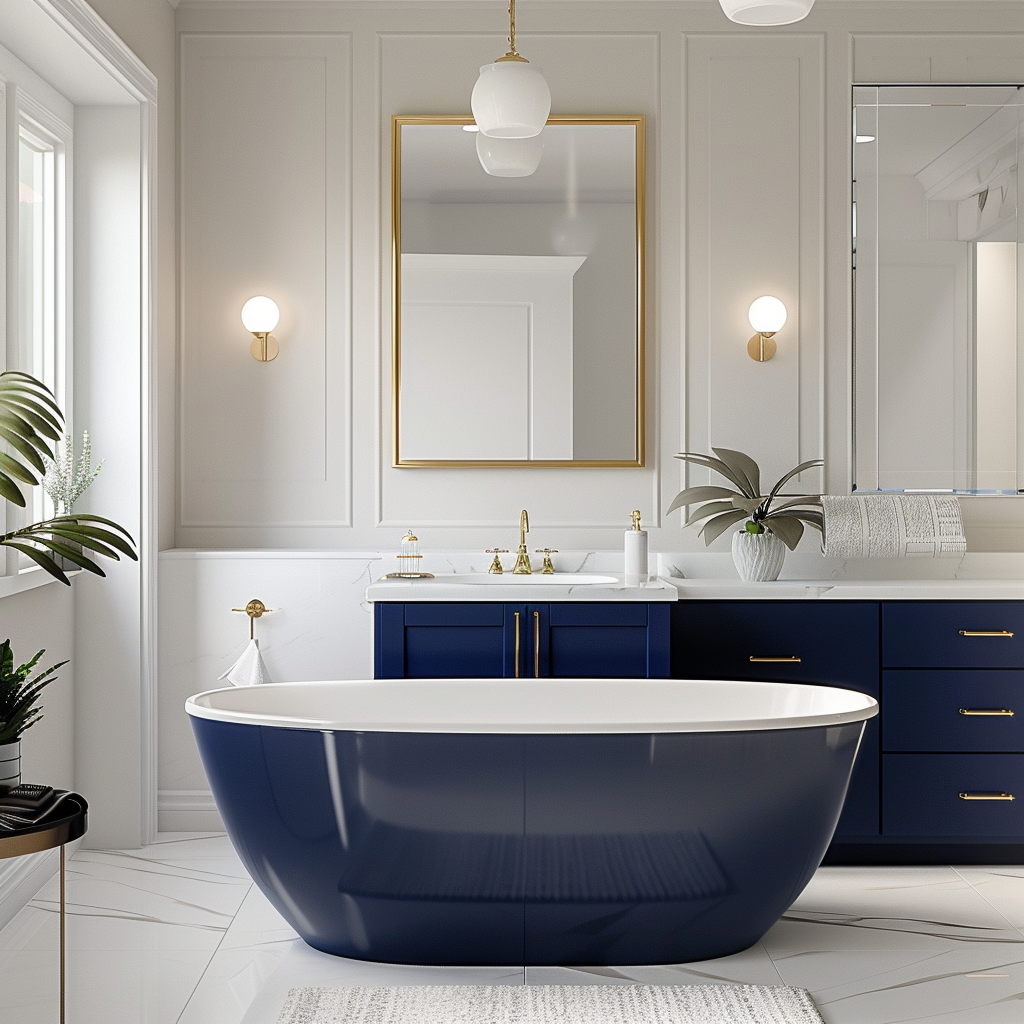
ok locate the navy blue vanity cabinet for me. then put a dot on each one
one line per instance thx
(953, 721)
(426, 639)
(833, 643)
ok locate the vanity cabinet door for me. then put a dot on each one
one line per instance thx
(826, 643)
(626, 640)
(425, 640)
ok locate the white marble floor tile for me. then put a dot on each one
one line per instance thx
(303, 967)
(751, 967)
(1002, 887)
(867, 908)
(975, 984)
(115, 901)
(136, 986)
(230, 983)
(257, 924)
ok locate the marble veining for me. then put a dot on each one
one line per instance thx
(177, 934)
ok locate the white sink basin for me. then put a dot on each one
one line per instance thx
(565, 579)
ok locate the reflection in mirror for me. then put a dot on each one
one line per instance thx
(937, 275)
(518, 294)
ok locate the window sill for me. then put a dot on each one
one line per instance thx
(28, 579)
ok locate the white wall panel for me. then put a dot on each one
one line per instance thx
(755, 167)
(265, 210)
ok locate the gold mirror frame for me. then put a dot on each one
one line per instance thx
(397, 122)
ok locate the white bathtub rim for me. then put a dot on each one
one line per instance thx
(598, 716)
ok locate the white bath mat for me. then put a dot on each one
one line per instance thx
(550, 1004)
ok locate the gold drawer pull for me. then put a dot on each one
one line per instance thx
(787, 658)
(516, 665)
(536, 645)
(985, 632)
(987, 796)
(992, 712)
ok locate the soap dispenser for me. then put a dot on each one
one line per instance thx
(636, 552)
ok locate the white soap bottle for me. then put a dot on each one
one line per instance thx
(636, 552)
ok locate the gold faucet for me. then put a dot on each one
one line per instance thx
(522, 566)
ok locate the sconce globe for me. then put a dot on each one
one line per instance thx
(511, 100)
(260, 315)
(767, 314)
(766, 12)
(509, 158)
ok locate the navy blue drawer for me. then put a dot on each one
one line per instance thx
(836, 643)
(921, 795)
(598, 614)
(953, 634)
(953, 710)
(454, 613)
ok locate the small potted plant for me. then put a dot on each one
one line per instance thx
(19, 693)
(774, 521)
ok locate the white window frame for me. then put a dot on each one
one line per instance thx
(24, 114)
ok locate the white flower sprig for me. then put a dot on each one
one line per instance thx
(65, 482)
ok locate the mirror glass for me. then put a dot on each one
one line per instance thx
(938, 376)
(518, 304)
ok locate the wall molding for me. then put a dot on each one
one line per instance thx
(21, 878)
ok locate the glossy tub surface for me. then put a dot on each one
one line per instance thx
(566, 821)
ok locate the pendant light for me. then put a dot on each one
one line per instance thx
(511, 100)
(509, 158)
(766, 12)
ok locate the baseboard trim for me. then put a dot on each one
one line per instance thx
(21, 878)
(187, 810)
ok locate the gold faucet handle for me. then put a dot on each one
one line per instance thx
(547, 568)
(496, 563)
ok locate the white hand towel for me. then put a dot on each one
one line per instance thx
(892, 526)
(249, 670)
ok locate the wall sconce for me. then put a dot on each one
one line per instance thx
(766, 315)
(260, 316)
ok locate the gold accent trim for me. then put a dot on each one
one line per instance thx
(790, 658)
(639, 122)
(515, 672)
(986, 632)
(1001, 712)
(762, 346)
(264, 347)
(547, 567)
(536, 645)
(496, 566)
(254, 609)
(987, 796)
(522, 566)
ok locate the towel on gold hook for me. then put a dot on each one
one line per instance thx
(249, 670)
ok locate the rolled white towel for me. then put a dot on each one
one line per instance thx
(249, 670)
(892, 526)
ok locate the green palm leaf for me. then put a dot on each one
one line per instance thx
(28, 415)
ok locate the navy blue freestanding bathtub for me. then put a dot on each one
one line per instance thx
(560, 821)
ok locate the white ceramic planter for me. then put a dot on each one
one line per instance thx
(758, 556)
(10, 763)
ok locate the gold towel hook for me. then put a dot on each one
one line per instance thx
(254, 609)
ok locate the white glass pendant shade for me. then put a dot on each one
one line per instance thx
(767, 314)
(511, 100)
(260, 314)
(509, 158)
(766, 12)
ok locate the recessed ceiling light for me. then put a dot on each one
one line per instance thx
(865, 138)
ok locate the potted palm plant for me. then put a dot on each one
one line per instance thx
(19, 696)
(774, 521)
(30, 420)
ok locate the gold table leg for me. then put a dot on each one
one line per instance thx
(61, 933)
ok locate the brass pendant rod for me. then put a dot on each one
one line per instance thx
(512, 29)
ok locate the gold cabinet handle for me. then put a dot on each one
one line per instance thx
(986, 632)
(536, 645)
(987, 796)
(990, 712)
(788, 658)
(516, 666)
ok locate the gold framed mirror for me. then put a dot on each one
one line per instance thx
(518, 294)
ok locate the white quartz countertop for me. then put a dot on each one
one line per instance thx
(851, 590)
(506, 587)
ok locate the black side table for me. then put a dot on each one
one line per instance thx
(69, 821)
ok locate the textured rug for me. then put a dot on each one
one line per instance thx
(550, 1004)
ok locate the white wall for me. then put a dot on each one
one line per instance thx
(748, 193)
